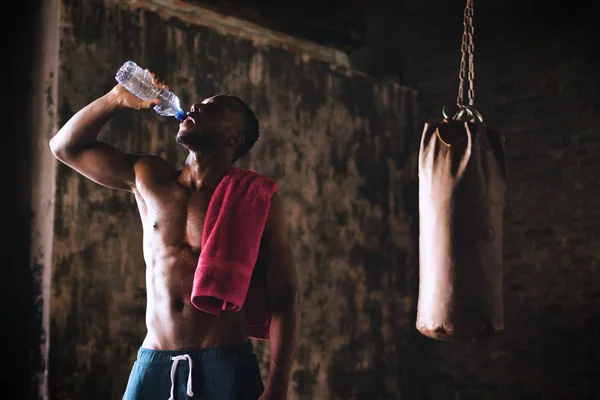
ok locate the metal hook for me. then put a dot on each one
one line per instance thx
(471, 112)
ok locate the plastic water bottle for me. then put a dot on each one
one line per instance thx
(139, 82)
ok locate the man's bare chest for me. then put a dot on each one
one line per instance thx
(174, 215)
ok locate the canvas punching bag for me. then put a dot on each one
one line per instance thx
(462, 177)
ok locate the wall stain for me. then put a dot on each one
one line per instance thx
(338, 147)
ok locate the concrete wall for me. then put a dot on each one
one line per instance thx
(27, 181)
(537, 82)
(342, 149)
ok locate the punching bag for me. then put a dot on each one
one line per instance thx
(462, 177)
(461, 201)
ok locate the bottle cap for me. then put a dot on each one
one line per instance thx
(180, 115)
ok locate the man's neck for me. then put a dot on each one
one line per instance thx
(204, 171)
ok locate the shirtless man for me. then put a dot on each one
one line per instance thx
(172, 205)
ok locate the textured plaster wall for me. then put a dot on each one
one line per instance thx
(342, 149)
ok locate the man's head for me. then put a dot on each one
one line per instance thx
(219, 123)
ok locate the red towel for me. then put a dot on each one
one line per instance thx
(233, 228)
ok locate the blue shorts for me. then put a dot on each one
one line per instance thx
(216, 373)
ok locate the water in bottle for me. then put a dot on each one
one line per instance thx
(139, 82)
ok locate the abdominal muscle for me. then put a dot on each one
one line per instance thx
(173, 322)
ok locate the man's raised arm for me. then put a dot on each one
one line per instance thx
(76, 143)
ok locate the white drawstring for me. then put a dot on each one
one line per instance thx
(176, 360)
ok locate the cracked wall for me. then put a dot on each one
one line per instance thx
(341, 146)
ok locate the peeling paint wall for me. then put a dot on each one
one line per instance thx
(341, 147)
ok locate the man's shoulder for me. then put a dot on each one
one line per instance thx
(249, 173)
(258, 183)
(153, 167)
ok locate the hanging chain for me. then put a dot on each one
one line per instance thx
(466, 110)
(467, 49)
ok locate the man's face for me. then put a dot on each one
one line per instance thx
(209, 125)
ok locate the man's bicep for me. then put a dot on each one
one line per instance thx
(281, 268)
(105, 165)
